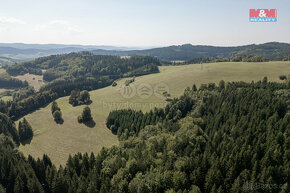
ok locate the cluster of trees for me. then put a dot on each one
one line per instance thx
(226, 138)
(86, 64)
(249, 59)
(22, 93)
(56, 113)
(283, 77)
(74, 71)
(17, 174)
(86, 115)
(286, 58)
(129, 81)
(11, 83)
(238, 58)
(79, 97)
(24, 130)
(8, 129)
(18, 108)
(128, 122)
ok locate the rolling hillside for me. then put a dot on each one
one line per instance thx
(186, 52)
(4, 61)
(23, 52)
(272, 51)
(58, 141)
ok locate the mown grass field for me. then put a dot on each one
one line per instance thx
(58, 141)
(33, 80)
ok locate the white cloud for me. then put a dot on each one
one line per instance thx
(11, 20)
(59, 25)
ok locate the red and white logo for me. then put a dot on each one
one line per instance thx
(263, 15)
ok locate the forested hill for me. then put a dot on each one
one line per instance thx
(68, 72)
(271, 51)
(186, 52)
(24, 52)
(231, 137)
(85, 64)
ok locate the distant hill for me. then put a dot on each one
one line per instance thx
(186, 52)
(4, 61)
(61, 46)
(85, 64)
(271, 50)
(23, 52)
(29, 54)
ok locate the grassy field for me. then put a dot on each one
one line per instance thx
(58, 141)
(33, 80)
(7, 98)
(2, 71)
(3, 90)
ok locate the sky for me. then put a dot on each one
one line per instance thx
(141, 23)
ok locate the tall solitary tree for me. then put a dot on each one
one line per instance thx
(194, 87)
(222, 84)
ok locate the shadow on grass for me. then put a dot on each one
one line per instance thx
(60, 121)
(90, 123)
(26, 141)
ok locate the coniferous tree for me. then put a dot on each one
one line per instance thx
(222, 84)
(194, 87)
(24, 130)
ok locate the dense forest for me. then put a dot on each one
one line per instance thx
(85, 64)
(10, 83)
(231, 137)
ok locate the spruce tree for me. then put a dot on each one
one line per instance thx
(24, 130)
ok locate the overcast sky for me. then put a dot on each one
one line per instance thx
(141, 22)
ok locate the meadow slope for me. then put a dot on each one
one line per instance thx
(58, 141)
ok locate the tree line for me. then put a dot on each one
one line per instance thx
(238, 58)
(11, 83)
